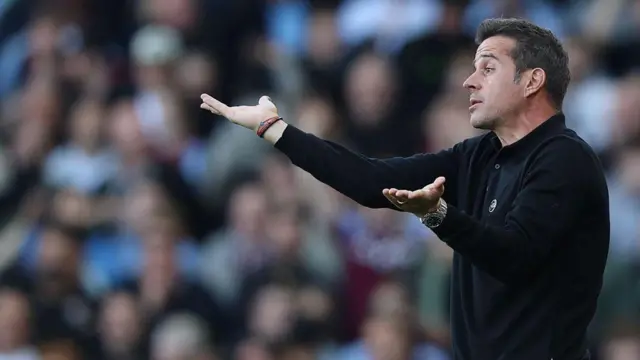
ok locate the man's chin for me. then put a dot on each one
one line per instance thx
(480, 123)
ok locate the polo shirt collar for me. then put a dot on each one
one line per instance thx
(553, 126)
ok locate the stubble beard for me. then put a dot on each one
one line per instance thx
(484, 122)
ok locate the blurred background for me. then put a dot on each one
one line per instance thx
(133, 225)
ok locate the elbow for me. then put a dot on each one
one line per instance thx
(520, 258)
(512, 261)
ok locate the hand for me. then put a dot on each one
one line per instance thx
(418, 202)
(246, 116)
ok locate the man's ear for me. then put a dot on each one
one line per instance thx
(534, 81)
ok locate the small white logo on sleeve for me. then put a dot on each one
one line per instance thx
(493, 204)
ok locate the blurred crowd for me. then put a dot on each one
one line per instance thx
(134, 225)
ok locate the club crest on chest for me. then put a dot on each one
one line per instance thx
(493, 205)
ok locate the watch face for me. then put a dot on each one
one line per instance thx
(432, 221)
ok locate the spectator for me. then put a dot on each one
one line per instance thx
(162, 290)
(120, 328)
(241, 248)
(62, 308)
(83, 164)
(181, 336)
(15, 326)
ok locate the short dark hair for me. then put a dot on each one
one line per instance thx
(535, 47)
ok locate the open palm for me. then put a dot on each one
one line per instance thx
(419, 202)
(249, 117)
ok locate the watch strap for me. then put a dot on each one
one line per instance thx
(434, 219)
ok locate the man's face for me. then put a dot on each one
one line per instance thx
(494, 93)
(119, 323)
(57, 255)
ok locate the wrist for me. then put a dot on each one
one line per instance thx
(434, 218)
(264, 125)
(275, 132)
(431, 210)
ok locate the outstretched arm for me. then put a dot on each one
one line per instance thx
(359, 177)
(356, 176)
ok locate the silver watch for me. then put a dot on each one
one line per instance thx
(433, 219)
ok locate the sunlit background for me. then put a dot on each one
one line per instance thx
(136, 226)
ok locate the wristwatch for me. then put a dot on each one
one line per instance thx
(433, 219)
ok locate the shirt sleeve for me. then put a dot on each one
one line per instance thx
(362, 178)
(557, 188)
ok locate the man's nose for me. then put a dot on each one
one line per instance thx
(471, 83)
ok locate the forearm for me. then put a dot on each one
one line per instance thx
(506, 253)
(357, 176)
(349, 173)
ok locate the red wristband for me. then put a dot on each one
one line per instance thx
(265, 125)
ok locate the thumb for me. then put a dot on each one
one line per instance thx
(267, 102)
(436, 188)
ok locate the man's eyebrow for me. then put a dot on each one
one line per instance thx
(485, 56)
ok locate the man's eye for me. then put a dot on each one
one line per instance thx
(488, 70)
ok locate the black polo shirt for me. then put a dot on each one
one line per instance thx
(529, 224)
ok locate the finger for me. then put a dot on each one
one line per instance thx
(432, 191)
(209, 108)
(438, 188)
(266, 101)
(439, 181)
(402, 195)
(216, 105)
(428, 192)
(391, 198)
(397, 203)
(418, 194)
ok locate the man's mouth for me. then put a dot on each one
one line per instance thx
(473, 103)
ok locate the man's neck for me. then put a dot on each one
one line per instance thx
(518, 127)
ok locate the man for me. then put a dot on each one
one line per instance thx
(525, 206)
